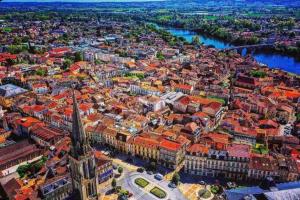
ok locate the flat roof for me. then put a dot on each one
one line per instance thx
(10, 90)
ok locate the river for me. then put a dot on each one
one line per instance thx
(273, 60)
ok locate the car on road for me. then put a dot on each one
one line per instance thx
(158, 176)
(150, 172)
(140, 169)
(231, 185)
(202, 183)
(171, 185)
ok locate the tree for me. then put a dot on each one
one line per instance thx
(113, 183)
(152, 165)
(176, 178)
(196, 40)
(17, 40)
(160, 56)
(78, 56)
(9, 62)
(67, 63)
(120, 170)
(41, 72)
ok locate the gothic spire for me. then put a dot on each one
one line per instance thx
(80, 144)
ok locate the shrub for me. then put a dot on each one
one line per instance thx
(176, 178)
(214, 189)
(205, 194)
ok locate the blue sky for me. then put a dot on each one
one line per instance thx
(77, 0)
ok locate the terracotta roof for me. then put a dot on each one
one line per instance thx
(268, 122)
(28, 121)
(264, 163)
(11, 187)
(239, 150)
(169, 145)
(198, 148)
(45, 133)
(5, 56)
(146, 142)
(219, 138)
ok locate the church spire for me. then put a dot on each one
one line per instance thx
(80, 145)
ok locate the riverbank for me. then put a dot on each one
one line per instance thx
(269, 57)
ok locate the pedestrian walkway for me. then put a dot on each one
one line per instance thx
(110, 197)
(128, 166)
(169, 175)
(190, 190)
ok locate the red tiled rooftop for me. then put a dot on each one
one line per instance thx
(27, 121)
(169, 145)
(198, 148)
(146, 142)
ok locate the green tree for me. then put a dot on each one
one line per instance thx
(196, 40)
(120, 170)
(78, 56)
(17, 40)
(41, 72)
(160, 56)
(114, 183)
(23, 169)
(67, 63)
(176, 178)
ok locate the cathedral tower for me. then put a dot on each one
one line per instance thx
(82, 160)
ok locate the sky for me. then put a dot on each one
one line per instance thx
(77, 0)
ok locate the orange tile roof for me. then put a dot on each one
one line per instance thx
(198, 148)
(28, 121)
(219, 138)
(146, 142)
(169, 145)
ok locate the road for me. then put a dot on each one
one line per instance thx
(140, 194)
(126, 181)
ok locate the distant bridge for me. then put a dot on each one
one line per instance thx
(248, 47)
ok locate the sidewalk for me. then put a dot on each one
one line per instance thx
(128, 166)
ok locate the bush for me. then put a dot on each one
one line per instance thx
(23, 169)
(158, 192)
(214, 189)
(141, 182)
(258, 74)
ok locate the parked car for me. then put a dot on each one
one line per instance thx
(140, 169)
(115, 167)
(202, 183)
(231, 185)
(159, 176)
(171, 185)
(150, 172)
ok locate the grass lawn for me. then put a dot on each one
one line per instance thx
(220, 100)
(141, 182)
(205, 194)
(158, 192)
(7, 29)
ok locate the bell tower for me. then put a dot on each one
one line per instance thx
(82, 160)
